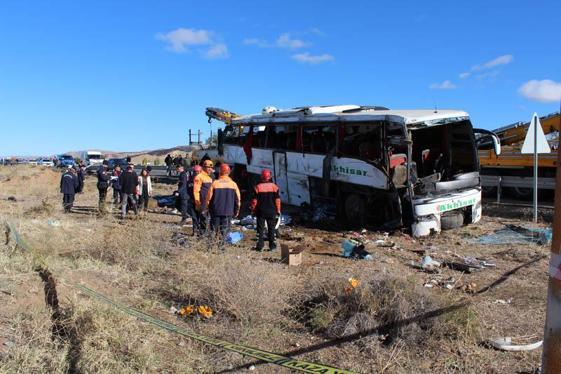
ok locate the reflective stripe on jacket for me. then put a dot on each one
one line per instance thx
(201, 186)
(266, 200)
(224, 197)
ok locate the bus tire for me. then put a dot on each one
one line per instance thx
(451, 221)
(355, 209)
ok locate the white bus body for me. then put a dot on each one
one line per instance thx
(371, 161)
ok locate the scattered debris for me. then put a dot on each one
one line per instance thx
(470, 287)
(354, 249)
(53, 223)
(186, 310)
(292, 257)
(505, 344)
(353, 283)
(503, 302)
(429, 265)
(234, 237)
(205, 311)
(12, 198)
(513, 234)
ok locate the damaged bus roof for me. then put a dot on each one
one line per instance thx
(350, 113)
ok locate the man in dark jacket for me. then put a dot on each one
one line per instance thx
(103, 178)
(168, 161)
(117, 198)
(183, 191)
(128, 181)
(81, 176)
(68, 186)
(223, 202)
(266, 206)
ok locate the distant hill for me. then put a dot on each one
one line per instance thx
(146, 155)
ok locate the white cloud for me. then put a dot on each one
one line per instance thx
(465, 75)
(217, 51)
(307, 58)
(316, 31)
(257, 42)
(446, 85)
(545, 91)
(182, 40)
(285, 41)
(498, 61)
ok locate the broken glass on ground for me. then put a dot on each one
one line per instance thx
(514, 234)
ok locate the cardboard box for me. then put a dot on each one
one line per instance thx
(291, 256)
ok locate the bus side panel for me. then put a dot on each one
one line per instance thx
(234, 154)
(261, 159)
(299, 189)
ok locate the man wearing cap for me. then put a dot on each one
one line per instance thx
(129, 182)
(201, 186)
(183, 191)
(68, 187)
(266, 206)
(103, 178)
(223, 202)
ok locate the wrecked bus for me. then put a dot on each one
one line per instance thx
(380, 167)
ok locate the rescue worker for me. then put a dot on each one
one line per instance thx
(168, 161)
(129, 182)
(191, 205)
(223, 202)
(266, 207)
(103, 178)
(183, 193)
(68, 187)
(201, 186)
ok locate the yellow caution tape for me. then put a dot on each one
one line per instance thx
(272, 358)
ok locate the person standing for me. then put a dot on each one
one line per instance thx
(168, 161)
(266, 207)
(223, 202)
(145, 189)
(103, 179)
(68, 187)
(191, 210)
(201, 186)
(81, 176)
(129, 182)
(183, 193)
(117, 198)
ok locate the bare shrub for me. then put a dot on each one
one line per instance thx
(385, 307)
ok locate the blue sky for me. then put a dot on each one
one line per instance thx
(131, 75)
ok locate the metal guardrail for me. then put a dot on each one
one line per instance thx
(520, 182)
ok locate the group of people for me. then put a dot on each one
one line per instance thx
(176, 161)
(212, 202)
(130, 190)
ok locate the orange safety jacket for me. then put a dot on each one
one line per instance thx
(266, 200)
(201, 186)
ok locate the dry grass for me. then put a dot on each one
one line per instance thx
(257, 301)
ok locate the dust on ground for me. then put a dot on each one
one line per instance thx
(398, 318)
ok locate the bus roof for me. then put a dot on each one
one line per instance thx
(350, 113)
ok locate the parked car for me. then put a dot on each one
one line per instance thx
(112, 162)
(46, 162)
(66, 161)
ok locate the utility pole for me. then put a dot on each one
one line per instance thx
(551, 359)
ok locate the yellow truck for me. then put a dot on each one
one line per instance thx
(512, 170)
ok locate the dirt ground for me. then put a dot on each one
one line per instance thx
(397, 319)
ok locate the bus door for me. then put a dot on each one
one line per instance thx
(281, 177)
